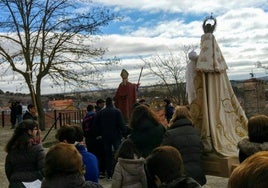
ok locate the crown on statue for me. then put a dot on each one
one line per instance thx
(208, 26)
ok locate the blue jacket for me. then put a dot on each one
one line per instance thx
(91, 163)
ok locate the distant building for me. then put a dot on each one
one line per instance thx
(67, 104)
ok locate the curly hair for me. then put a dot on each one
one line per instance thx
(66, 133)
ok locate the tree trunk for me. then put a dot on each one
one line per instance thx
(39, 107)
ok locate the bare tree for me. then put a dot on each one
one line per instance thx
(170, 69)
(51, 39)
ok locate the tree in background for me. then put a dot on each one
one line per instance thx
(51, 39)
(170, 69)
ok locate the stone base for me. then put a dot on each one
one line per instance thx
(216, 165)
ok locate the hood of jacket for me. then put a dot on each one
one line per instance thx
(180, 123)
(132, 166)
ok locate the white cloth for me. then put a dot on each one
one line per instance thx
(216, 110)
(189, 76)
(34, 184)
(210, 58)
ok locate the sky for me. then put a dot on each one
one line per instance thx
(151, 27)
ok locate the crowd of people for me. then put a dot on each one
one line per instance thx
(139, 153)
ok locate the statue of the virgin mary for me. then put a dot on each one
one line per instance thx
(214, 107)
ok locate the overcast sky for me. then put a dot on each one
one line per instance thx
(155, 26)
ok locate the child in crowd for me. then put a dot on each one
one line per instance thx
(74, 135)
(129, 170)
(64, 168)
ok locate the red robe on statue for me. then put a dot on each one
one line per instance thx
(125, 98)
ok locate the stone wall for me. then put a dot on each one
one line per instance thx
(254, 97)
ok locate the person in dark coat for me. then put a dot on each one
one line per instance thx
(169, 109)
(165, 167)
(30, 113)
(94, 145)
(182, 135)
(257, 137)
(147, 131)
(25, 158)
(18, 112)
(110, 126)
(13, 115)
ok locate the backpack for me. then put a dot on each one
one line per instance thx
(87, 123)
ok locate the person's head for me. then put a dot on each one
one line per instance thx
(124, 74)
(100, 103)
(252, 172)
(180, 112)
(258, 128)
(141, 113)
(142, 101)
(79, 134)
(127, 150)
(167, 101)
(164, 164)
(90, 108)
(23, 134)
(63, 159)
(31, 108)
(193, 56)
(66, 134)
(109, 101)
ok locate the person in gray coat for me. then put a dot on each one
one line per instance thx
(182, 135)
(129, 170)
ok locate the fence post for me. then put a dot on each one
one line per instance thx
(55, 117)
(3, 118)
(60, 116)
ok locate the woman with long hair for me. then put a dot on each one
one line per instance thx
(25, 155)
(147, 131)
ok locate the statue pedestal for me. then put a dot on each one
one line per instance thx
(216, 165)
